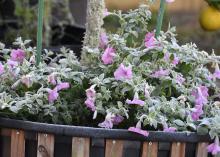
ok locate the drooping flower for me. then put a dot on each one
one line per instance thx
(170, 1)
(214, 147)
(53, 95)
(26, 80)
(135, 101)
(201, 95)
(180, 79)
(117, 119)
(197, 111)
(160, 73)
(123, 72)
(108, 122)
(63, 85)
(17, 55)
(91, 93)
(103, 40)
(150, 40)
(169, 129)
(12, 64)
(90, 103)
(108, 55)
(139, 131)
(52, 79)
(2, 70)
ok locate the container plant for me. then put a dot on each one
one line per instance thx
(129, 78)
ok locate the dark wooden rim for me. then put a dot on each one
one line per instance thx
(78, 131)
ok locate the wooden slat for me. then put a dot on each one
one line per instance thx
(150, 149)
(178, 149)
(80, 147)
(5, 132)
(17, 143)
(202, 150)
(45, 145)
(114, 148)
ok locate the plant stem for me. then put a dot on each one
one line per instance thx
(160, 17)
(39, 30)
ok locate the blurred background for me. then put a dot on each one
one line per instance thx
(65, 19)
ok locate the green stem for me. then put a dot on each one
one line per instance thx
(160, 17)
(39, 30)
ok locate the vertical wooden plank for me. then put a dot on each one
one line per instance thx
(17, 143)
(45, 145)
(178, 149)
(80, 147)
(202, 150)
(150, 149)
(114, 148)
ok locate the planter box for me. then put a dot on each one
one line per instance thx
(32, 139)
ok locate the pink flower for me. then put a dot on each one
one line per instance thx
(123, 72)
(160, 73)
(150, 40)
(106, 13)
(217, 74)
(108, 55)
(90, 103)
(18, 55)
(26, 80)
(53, 95)
(135, 102)
(180, 79)
(197, 111)
(169, 129)
(139, 131)
(108, 123)
(170, 1)
(214, 147)
(117, 119)
(61, 86)
(201, 94)
(167, 57)
(91, 93)
(52, 79)
(2, 70)
(103, 40)
(175, 61)
(12, 64)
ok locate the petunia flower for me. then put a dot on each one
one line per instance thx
(12, 64)
(180, 79)
(167, 57)
(197, 111)
(26, 80)
(135, 101)
(217, 74)
(2, 70)
(176, 60)
(108, 55)
(108, 122)
(61, 86)
(214, 147)
(91, 93)
(138, 130)
(117, 119)
(17, 55)
(106, 13)
(103, 40)
(90, 103)
(150, 40)
(201, 95)
(52, 79)
(53, 95)
(123, 72)
(169, 129)
(160, 73)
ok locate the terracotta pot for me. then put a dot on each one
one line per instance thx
(122, 4)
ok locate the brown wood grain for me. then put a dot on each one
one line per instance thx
(114, 148)
(80, 147)
(178, 149)
(45, 145)
(150, 149)
(202, 150)
(5, 132)
(17, 143)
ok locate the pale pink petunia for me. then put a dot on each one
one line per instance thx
(52, 79)
(90, 103)
(179, 79)
(103, 40)
(197, 111)
(150, 40)
(12, 64)
(175, 61)
(17, 55)
(123, 72)
(91, 93)
(160, 73)
(117, 119)
(201, 95)
(26, 80)
(167, 57)
(2, 70)
(214, 147)
(108, 55)
(170, 1)
(135, 102)
(217, 74)
(139, 131)
(63, 85)
(107, 124)
(106, 13)
(169, 129)
(53, 95)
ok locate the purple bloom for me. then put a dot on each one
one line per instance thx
(160, 73)
(214, 147)
(91, 93)
(150, 40)
(2, 70)
(106, 13)
(18, 55)
(53, 95)
(197, 111)
(103, 40)
(201, 94)
(180, 79)
(61, 86)
(167, 57)
(123, 72)
(108, 55)
(169, 129)
(139, 131)
(135, 102)
(117, 119)
(26, 80)
(90, 103)
(106, 124)
(217, 74)
(52, 79)
(12, 64)
(175, 61)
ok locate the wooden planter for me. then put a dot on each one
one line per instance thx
(31, 139)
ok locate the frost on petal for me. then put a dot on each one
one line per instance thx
(64, 85)
(150, 40)
(117, 119)
(160, 73)
(2, 70)
(90, 103)
(18, 55)
(103, 40)
(53, 95)
(108, 55)
(91, 93)
(123, 72)
(135, 102)
(139, 131)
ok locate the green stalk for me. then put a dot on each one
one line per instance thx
(160, 17)
(39, 30)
